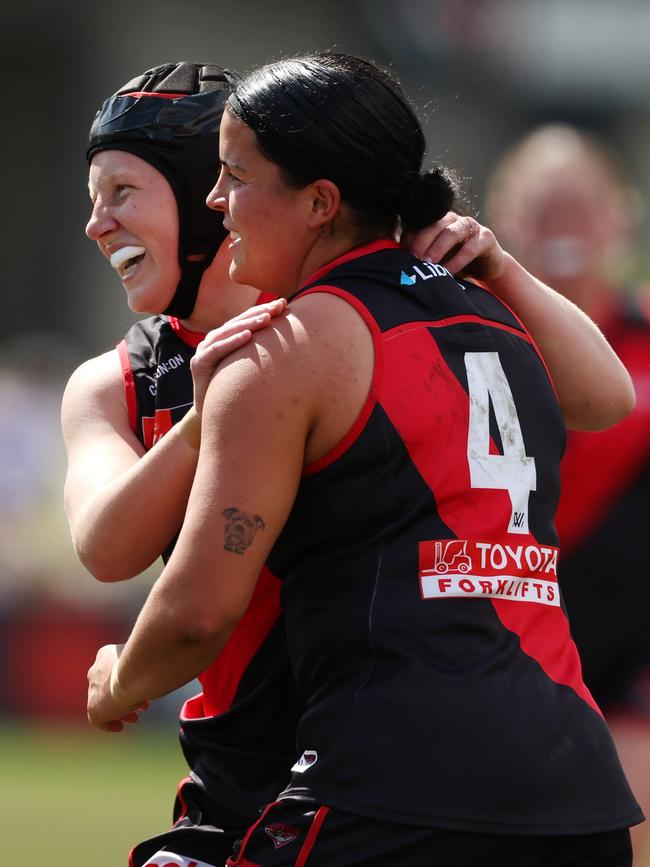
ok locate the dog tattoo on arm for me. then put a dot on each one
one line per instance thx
(240, 531)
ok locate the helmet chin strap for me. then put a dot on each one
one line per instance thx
(182, 304)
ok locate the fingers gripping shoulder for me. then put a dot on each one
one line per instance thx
(271, 369)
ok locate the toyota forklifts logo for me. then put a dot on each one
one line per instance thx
(451, 555)
(464, 568)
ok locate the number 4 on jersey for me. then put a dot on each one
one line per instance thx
(513, 471)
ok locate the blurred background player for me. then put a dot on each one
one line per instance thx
(561, 203)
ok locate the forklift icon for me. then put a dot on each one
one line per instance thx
(451, 555)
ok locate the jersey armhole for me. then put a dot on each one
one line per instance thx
(129, 385)
(348, 439)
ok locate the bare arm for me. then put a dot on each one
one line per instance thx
(124, 505)
(263, 416)
(594, 388)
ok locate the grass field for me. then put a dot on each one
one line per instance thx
(79, 798)
(76, 797)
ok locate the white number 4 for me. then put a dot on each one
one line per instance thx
(513, 471)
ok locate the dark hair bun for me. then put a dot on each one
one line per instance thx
(336, 116)
(430, 195)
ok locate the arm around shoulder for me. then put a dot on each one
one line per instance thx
(123, 505)
(593, 386)
(250, 463)
(594, 389)
(268, 410)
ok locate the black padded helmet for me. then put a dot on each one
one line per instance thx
(170, 116)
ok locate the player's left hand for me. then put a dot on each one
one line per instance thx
(464, 246)
(227, 338)
(107, 710)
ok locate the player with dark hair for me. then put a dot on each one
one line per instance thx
(130, 430)
(393, 413)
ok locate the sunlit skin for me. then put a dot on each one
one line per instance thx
(279, 235)
(134, 205)
(261, 211)
(109, 475)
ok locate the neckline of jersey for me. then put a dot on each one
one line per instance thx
(192, 338)
(356, 253)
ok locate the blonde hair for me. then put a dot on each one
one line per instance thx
(554, 150)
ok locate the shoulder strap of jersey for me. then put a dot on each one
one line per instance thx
(129, 384)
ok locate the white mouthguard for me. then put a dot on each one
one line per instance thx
(122, 255)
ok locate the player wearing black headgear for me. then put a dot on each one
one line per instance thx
(153, 151)
(389, 386)
(129, 475)
(170, 116)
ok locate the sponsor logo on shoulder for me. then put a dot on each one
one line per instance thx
(463, 568)
(424, 271)
(281, 834)
(169, 859)
(306, 760)
(163, 367)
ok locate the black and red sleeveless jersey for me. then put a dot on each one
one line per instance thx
(602, 521)
(238, 735)
(419, 561)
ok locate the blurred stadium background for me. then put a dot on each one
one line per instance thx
(482, 72)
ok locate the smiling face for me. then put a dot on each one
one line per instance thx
(271, 232)
(135, 224)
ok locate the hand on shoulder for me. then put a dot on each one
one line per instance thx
(225, 339)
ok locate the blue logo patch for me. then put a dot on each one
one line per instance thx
(424, 271)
